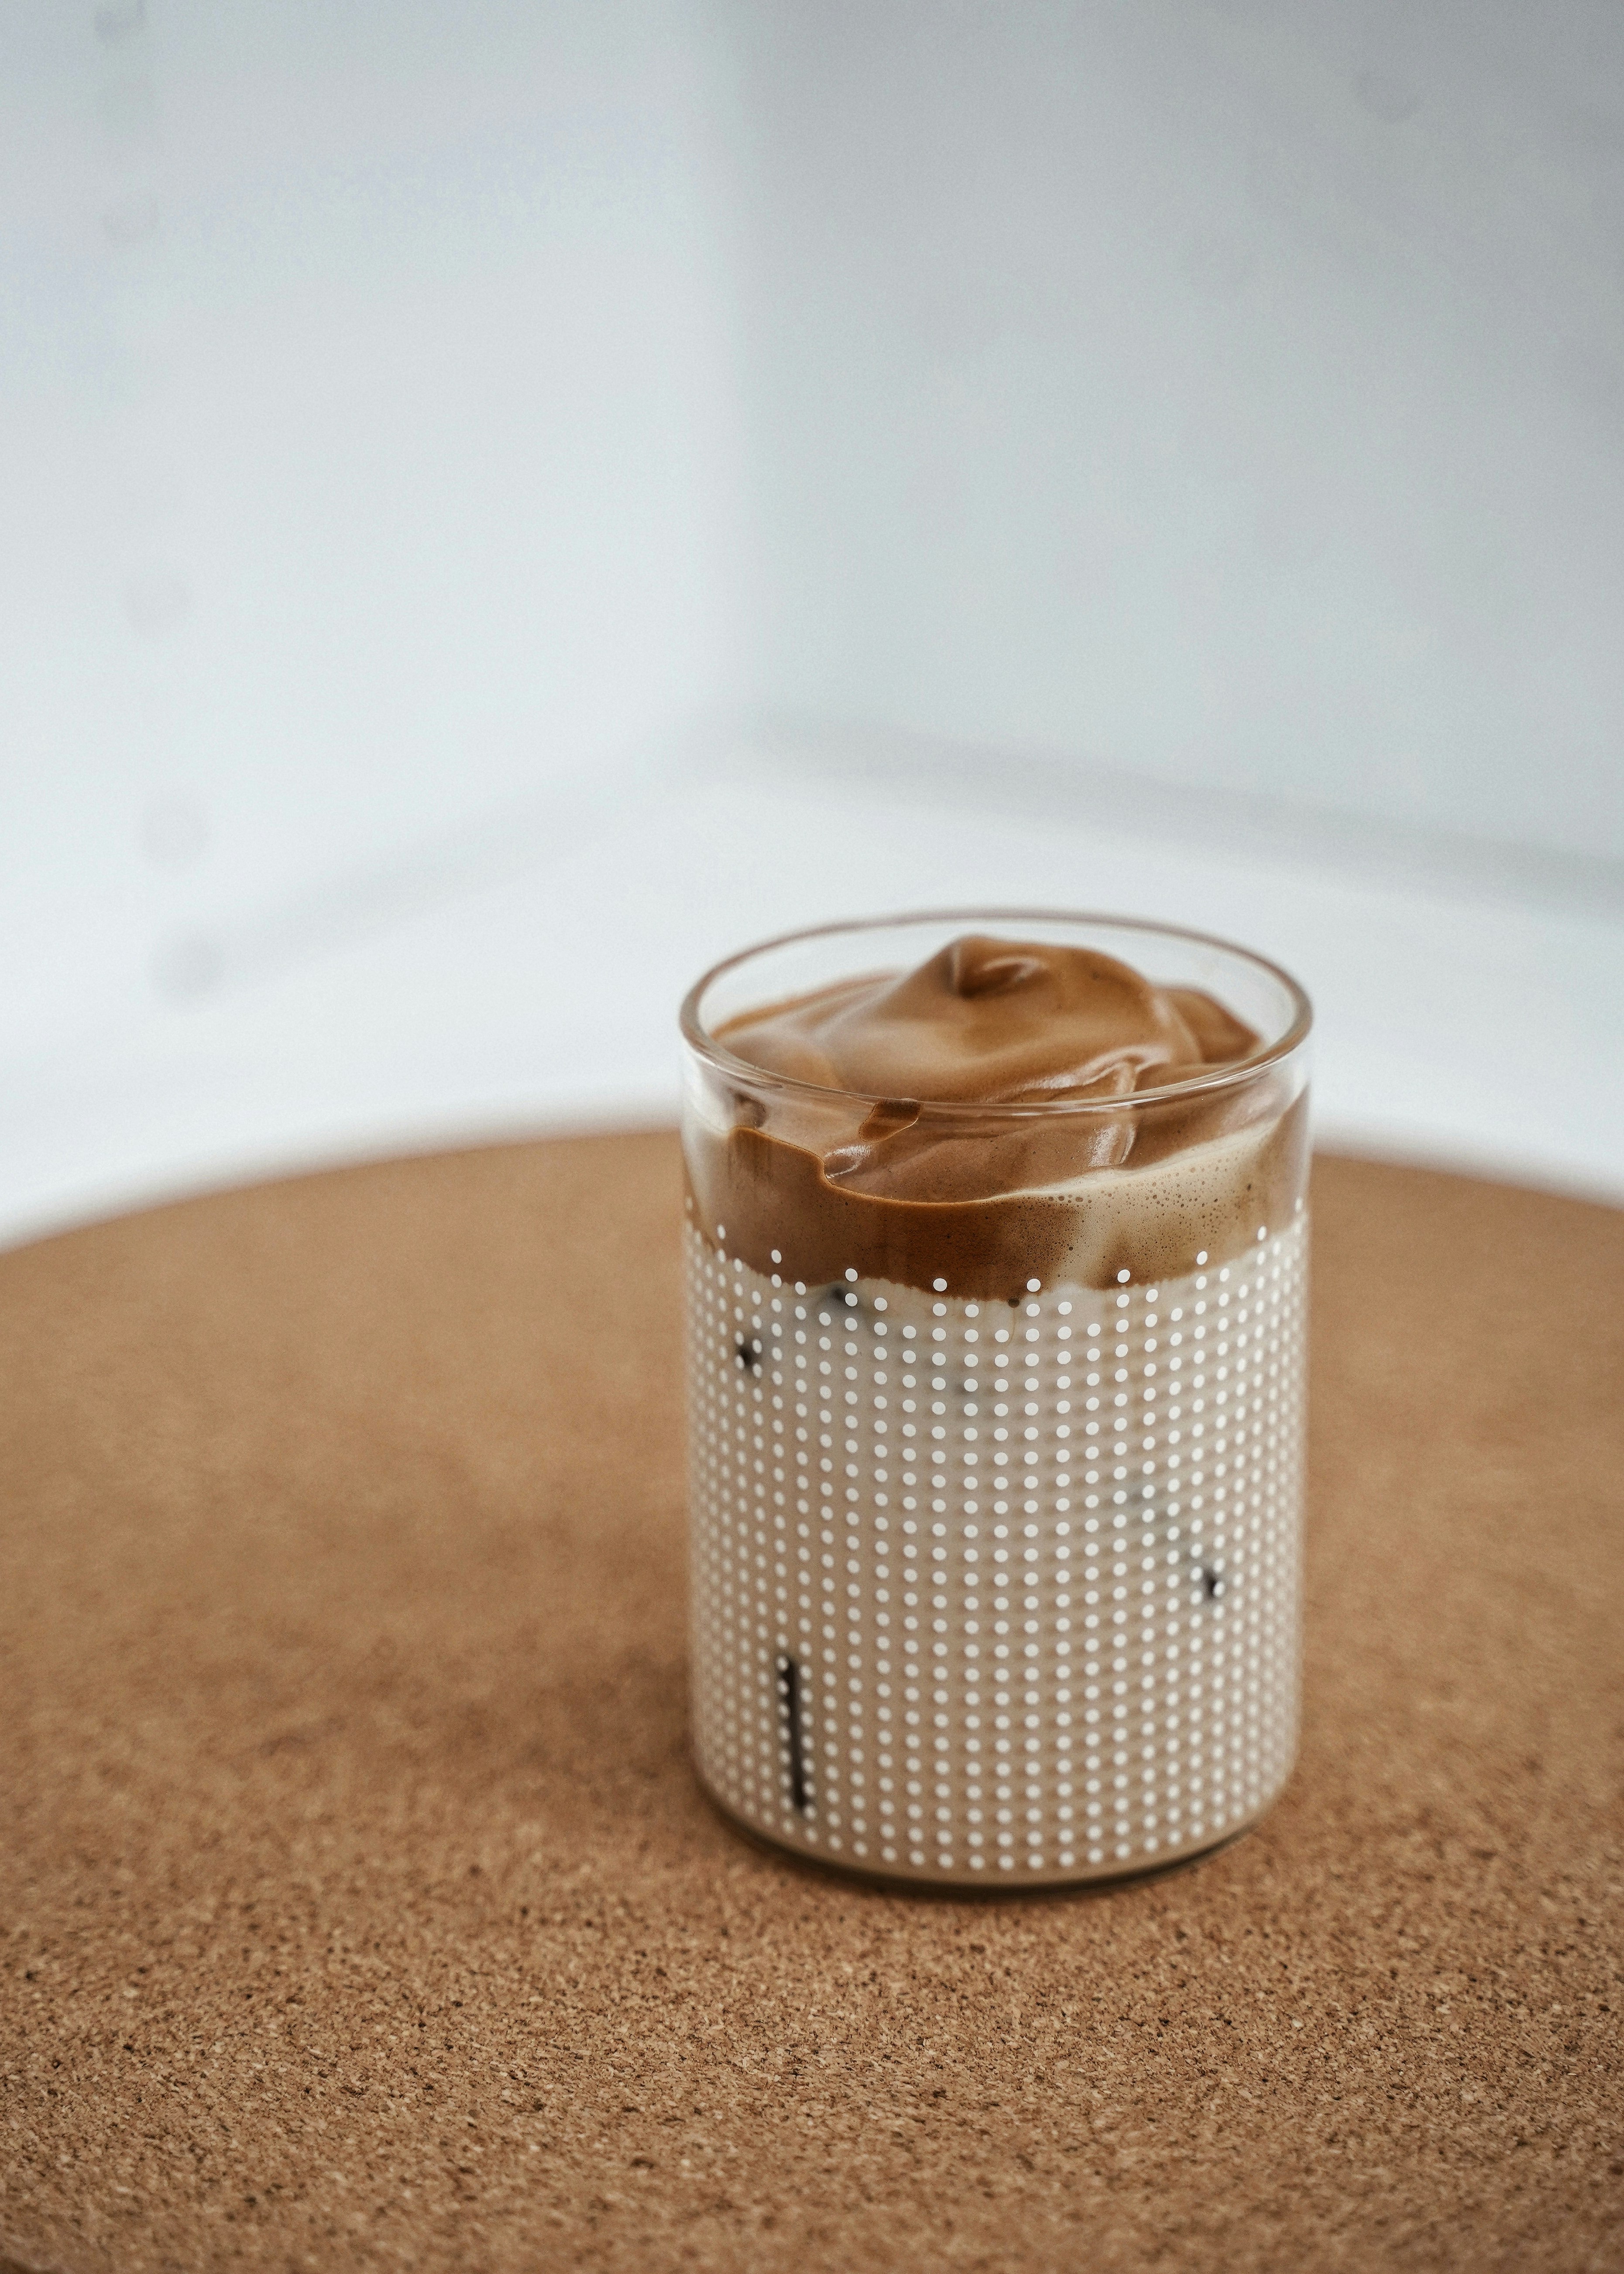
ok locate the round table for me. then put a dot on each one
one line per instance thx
(358, 1908)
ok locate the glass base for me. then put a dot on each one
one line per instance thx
(989, 1880)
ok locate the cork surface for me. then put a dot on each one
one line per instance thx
(358, 1908)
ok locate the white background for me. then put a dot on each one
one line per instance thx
(499, 506)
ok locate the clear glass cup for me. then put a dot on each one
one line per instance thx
(996, 1522)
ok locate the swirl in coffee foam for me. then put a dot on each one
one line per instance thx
(879, 1163)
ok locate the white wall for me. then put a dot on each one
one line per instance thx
(1229, 391)
(498, 505)
(367, 460)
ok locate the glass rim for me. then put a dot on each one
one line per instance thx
(705, 1045)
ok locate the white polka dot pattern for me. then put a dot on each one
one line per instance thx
(997, 1591)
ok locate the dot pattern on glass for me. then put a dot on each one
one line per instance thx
(997, 1590)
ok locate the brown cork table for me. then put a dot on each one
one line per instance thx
(358, 1908)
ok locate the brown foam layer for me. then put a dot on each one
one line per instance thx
(771, 1202)
(994, 1021)
(902, 1189)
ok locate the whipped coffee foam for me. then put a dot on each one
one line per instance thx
(871, 1153)
(1011, 1022)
